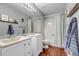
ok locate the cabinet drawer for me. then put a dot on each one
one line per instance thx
(28, 52)
(28, 43)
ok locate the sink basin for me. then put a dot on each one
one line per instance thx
(12, 40)
(8, 40)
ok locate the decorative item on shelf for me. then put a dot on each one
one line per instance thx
(11, 19)
(4, 17)
(22, 20)
(15, 21)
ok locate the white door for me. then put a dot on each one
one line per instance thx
(50, 30)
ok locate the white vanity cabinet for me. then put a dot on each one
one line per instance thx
(22, 48)
(36, 42)
(28, 48)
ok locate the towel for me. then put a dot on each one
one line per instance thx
(10, 30)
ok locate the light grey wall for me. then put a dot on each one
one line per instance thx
(37, 24)
(4, 9)
(53, 32)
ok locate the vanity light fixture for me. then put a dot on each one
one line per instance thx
(29, 7)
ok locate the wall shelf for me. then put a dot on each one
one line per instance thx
(74, 9)
(9, 22)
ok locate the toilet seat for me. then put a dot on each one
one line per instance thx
(45, 43)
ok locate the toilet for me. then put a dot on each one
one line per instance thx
(45, 43)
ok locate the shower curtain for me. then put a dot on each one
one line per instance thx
(71, 42)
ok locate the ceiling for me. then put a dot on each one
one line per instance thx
(44, 8)
(51, 8)
(20, 9)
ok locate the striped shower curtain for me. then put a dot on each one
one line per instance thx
(71, 42)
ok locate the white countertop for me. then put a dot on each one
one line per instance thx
(33, 34)
(9, 41)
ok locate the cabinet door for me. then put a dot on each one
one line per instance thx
(28, 47)
(34, 46)
(14, 50)
(39, 44)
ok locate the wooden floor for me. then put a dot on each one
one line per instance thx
(53, 51)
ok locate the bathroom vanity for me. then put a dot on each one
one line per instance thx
(37, 45)
(18, 46)
(22, 45)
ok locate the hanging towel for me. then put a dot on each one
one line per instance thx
(10, 30)
(71, 39)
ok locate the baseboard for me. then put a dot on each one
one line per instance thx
(55, 46)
